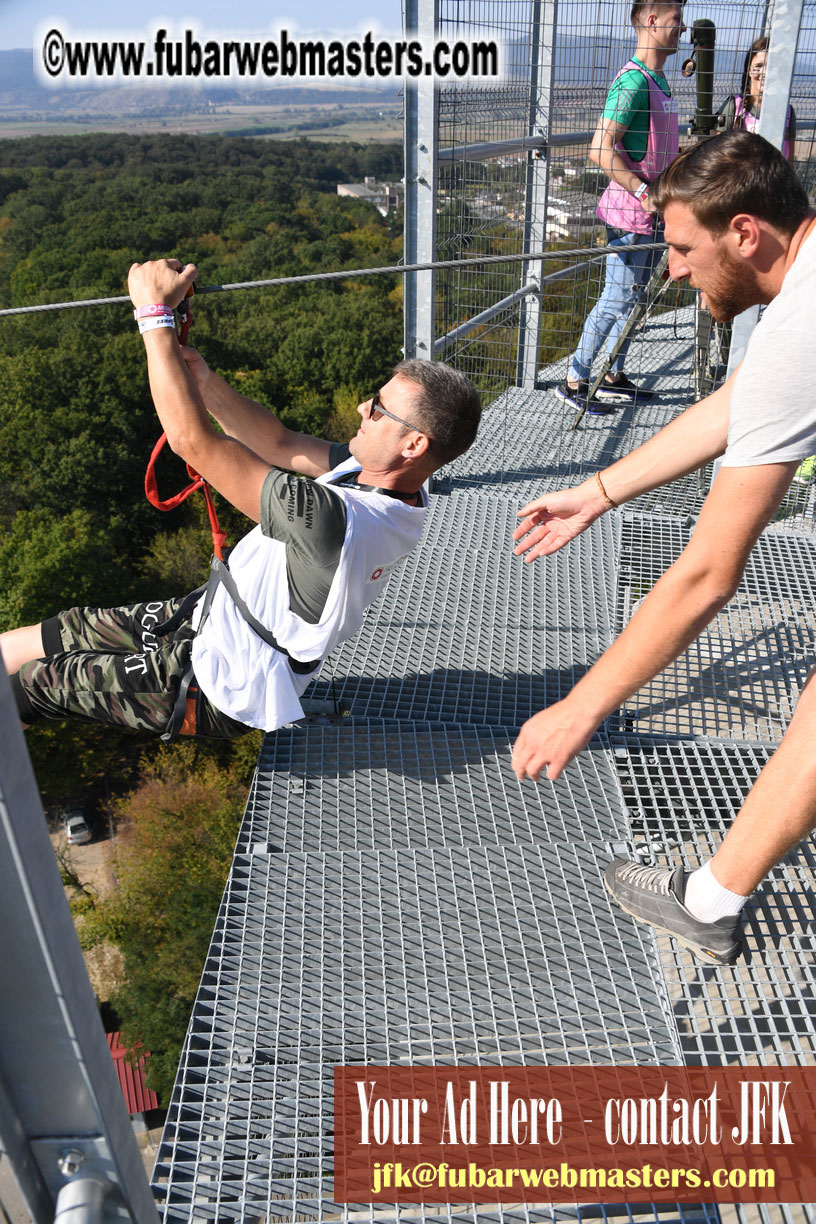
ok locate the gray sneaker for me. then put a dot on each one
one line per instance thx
(653, 895)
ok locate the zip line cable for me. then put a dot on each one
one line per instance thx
(311, 277)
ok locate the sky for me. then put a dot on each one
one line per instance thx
(21, 19)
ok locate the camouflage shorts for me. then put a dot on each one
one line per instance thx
(109, 665)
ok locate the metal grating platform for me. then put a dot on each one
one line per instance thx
(703, 784)
(762, 1010)
(432, 928)
(526, 446)
(467, 632)
(399, 897)
(743, 674)
(464, 956)
(391, 786)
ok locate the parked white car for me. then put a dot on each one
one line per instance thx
(77, 832)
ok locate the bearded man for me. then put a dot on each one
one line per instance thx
(739, 228)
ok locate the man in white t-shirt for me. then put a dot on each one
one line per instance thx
(739, 227)
(296, 586)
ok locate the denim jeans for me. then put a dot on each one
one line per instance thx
(627, 275)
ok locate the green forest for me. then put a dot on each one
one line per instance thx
(76, 421)
(77, 427)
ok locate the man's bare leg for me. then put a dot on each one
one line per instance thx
(19, 646)
(780, 809)
(703, 911)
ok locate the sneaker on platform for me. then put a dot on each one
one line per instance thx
(654, 895)
(623, 389)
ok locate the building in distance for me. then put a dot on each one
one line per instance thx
(384, 196)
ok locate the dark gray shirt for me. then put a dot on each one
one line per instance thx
(310, 519)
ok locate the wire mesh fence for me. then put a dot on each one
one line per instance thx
(558, 77)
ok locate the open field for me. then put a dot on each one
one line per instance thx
(358, 122)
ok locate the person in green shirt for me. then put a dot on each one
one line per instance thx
(635, 139)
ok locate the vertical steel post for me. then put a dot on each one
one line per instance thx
(421, 179)
(783, 35)
(61, 1107)
(542, 70)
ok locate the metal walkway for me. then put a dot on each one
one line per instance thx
(398, 897)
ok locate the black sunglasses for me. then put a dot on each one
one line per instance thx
(375, 405)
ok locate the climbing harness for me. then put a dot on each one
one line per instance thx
(184, 717)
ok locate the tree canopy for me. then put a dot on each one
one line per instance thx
(176, 834)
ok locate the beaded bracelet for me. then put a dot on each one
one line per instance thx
(612, 505)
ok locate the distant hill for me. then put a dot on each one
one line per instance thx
(21, 95)
(581, 62)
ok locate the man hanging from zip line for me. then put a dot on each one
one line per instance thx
(297, 585)
(739, 228)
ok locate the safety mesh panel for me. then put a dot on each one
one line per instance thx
(683, 795)
(526, 445)
(778, 1213)
(474, 956)
(392, 785)
(741, 677)
(469, 633)
(481, 202)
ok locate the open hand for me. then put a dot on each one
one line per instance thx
(550, 739)
(551, 521)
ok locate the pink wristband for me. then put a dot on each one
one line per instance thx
(148, 312)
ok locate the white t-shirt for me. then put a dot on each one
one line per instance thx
(773, 402)
(241, 674)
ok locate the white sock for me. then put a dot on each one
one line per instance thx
(707, 899)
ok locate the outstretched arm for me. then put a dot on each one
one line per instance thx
(688, 595)
(234, 470)
(694, 438)
(257, 427)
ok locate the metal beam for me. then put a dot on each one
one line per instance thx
(483, 150)
(544, 16)
(59, 1085)
(783, 34)
(421, 127)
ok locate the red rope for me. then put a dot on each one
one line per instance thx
(219, 537)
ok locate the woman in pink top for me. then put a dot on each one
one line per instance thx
(748, 104)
